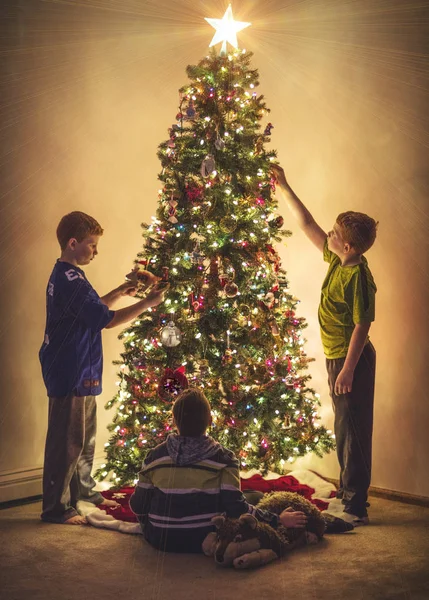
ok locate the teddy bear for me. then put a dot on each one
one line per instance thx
(247, 543)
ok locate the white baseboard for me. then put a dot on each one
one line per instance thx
(26, 483)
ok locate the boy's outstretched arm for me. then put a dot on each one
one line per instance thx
(124, 315)
(125, 289)
(234, 504)
(302, 215)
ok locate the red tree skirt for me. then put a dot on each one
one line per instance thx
(286, 483)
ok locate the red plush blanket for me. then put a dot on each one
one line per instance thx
(285, 483)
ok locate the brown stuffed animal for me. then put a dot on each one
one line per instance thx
(246, 543)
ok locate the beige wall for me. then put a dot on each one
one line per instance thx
(91, 93)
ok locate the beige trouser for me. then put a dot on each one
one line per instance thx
(69, 456)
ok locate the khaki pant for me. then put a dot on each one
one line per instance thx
(353, 430)
(69, 456)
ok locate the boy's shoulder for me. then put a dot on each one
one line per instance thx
(155, 453)
(225, 456)
(68, 271)
(222, 455)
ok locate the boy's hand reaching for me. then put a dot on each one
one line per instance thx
(279, 175)
(156, 295)
(293, 519)
(127, 289)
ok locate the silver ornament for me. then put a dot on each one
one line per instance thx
(219, 144)
(170, 335)
(208, 165)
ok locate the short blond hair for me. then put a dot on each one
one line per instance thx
(77, 225)
(358, 229)
(192, 413)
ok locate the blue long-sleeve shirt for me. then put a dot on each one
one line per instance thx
(71, 354)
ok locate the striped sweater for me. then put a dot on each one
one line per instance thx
(183, 484)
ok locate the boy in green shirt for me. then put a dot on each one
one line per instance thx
(346, 311)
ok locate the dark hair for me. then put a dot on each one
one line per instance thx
(192, 413)
(77, 225)
(358, 229)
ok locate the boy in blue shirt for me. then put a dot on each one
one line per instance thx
(189, 479)
(71, 357)
(346, 311)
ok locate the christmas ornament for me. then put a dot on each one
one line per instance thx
(274, 327)
(226, 30)
(196, 256)
(197, 301)
(282, 281)
(276, 223)
(228, 224)
(214, 269)
(204, 367)
(172, 211)
(226, 272)
(244, 309)
(170, 335)
(139, 363)
(219, 143)
(231, 289)
(208, 165)
(259, 145)
(194, 193)
(172, 383)
(190, 111)
(227, 357)
(140, 277)
(268, 129)
(269, 299)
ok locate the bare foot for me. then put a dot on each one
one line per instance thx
(76, 520)
(109, 503)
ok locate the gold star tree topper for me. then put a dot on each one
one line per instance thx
(226, 29)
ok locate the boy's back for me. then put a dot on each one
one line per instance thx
(348, 298)
(184, 482)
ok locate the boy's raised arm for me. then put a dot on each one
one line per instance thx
(302, 215)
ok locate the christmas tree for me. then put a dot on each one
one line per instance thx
(228, 323)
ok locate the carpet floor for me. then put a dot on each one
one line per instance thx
(386, 560)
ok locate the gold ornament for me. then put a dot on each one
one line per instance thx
(228, 224)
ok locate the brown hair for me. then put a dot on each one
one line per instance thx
(77, 225)
(358, 229)
(192, 413)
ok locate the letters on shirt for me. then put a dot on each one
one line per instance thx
(71, 275)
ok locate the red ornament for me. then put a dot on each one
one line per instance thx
(231, 289)
(194, 193)
(172, 383)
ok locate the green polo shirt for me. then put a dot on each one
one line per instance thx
(348, 298)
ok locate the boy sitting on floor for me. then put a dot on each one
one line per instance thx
(189, 479)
